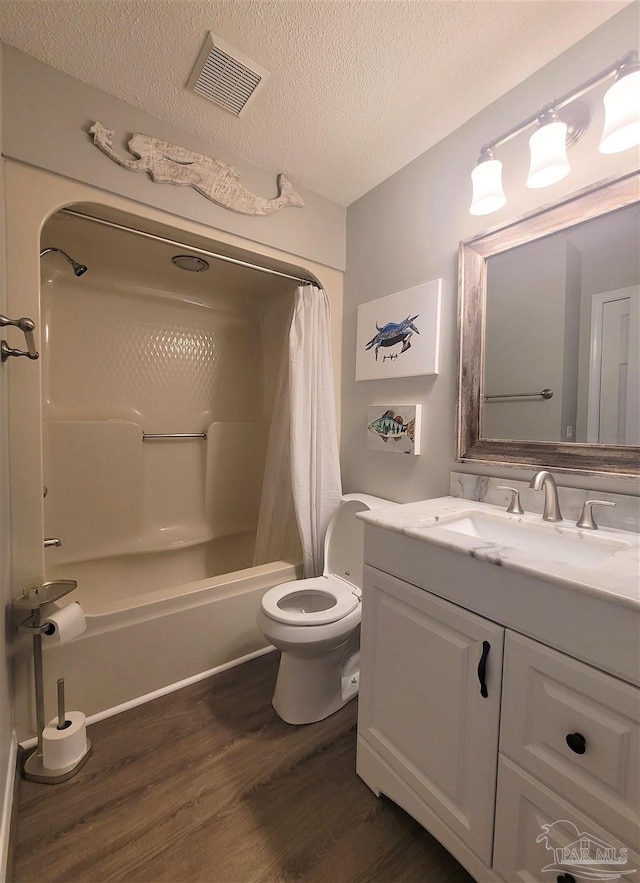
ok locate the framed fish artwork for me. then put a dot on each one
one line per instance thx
(399, 335)
(394, 429)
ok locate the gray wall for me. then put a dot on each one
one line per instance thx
(6, 709)
(46, 118)
(406, 231)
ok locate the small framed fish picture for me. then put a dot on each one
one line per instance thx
(399, 335)
(394, 428)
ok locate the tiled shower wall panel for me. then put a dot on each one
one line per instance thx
(169, 366)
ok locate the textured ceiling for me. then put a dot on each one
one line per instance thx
(357, 89)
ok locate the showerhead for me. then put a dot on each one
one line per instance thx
(78, 269)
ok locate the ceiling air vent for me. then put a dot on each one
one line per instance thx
(226, 76)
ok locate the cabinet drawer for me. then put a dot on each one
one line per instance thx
(540, 837)
(548, 697)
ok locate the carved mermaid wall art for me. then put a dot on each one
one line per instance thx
(169, 164)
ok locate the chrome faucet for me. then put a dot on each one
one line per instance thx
(544, 480)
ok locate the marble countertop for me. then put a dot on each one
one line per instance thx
(616, 578)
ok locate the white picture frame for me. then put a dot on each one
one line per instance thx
(399, 335)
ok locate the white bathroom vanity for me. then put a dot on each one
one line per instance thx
(499, 696)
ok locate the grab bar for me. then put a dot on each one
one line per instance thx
(28, 327)
(543, 394)
(154, 436)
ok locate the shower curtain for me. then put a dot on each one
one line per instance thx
(302, 472)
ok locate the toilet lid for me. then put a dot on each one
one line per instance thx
(316, 601)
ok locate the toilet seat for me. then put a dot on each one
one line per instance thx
(340, 597)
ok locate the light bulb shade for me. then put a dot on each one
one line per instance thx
(549, 163)
(488, 195)
(622, 115)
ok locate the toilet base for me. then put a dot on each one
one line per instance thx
(308, 690)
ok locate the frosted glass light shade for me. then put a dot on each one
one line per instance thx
(488, 195)
(622, 115)
(549, 162)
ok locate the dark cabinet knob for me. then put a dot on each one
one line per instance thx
(565, 878)
(577, 743)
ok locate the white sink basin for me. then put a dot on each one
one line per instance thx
(562, 543)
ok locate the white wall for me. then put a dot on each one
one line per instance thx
(407, 230)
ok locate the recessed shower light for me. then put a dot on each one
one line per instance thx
(190, 262)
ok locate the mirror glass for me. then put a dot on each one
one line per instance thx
(562, 336)
(549, 363)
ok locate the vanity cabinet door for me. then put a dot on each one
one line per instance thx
(422, 706)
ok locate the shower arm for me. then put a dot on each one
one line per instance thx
(78, 269)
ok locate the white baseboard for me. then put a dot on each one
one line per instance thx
(7, 807)
(163, 691)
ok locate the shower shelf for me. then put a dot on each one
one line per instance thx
(47, 593)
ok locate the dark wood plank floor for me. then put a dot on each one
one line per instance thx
(208, 784)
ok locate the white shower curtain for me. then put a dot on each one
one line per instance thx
(302, 473)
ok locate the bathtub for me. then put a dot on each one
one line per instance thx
(140, 644)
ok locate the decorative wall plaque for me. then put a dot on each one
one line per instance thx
(169, 164)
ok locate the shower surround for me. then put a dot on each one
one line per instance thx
(157, 392)
(144, 633)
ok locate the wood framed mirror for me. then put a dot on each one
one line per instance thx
(549, 371)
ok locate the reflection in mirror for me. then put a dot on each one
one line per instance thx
(575, 294)
(549, 336)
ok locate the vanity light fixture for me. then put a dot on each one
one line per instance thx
(559, 125)
(622, 109)
(488, 195)
(548, 147)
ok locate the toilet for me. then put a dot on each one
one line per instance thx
(316, 622)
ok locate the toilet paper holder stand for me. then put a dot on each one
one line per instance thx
(34, 600)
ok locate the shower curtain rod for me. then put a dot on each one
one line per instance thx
(191, 248)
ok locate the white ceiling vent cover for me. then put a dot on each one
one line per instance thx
(226, 76)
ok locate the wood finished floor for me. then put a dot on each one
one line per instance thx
(208, 785)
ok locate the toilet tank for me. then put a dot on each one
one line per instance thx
(344, 540)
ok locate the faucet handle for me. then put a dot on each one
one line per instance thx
(515, 506)
(586, 520)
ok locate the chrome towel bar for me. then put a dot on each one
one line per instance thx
(155, 436)
(543, 394)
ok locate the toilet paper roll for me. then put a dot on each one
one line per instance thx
(64, 748)
(64, 624)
